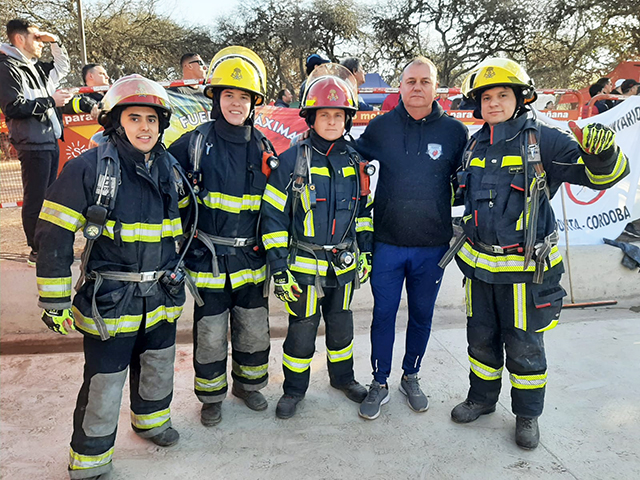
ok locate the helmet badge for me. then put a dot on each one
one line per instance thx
(333, 96)
(237, 74)
(489, 73)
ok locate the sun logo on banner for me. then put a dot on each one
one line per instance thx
(237, 74)
(74, 149)
(489, 73)
(333, 96)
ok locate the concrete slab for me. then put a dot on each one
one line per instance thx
(590, 430)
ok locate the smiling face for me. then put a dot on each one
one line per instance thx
(498, 105)
(142, 126)
(235, 105)
(330, 123)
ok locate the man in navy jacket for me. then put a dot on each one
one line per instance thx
(419, 148)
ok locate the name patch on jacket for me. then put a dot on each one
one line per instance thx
(434, 150)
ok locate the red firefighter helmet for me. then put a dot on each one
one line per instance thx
(135, 90)
(330, 86)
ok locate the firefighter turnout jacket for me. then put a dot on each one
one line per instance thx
(139, 238)
(494, 181)
(330, 219)
(229, 197)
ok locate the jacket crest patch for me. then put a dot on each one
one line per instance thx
(434, 150)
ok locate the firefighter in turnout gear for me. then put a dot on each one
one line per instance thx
(507, 249)
(125, 195)
(228, 160)
(317, 231)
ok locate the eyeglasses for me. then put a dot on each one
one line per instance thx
(199, 62)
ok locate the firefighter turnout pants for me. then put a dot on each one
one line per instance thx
(300, 344)
(246, 310)
(511, 318)
(149, 356)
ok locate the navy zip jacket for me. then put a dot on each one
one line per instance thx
(418, 161)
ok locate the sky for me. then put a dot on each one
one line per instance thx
(196, 12)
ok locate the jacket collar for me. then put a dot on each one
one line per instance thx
(436, 113)
(12, 52)
(504, 131)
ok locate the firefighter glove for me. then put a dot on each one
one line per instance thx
(60, 321)
(286, 286)
(364, 266)
(594, 138)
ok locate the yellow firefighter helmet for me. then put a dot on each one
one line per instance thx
(237, 67)
(495, 72)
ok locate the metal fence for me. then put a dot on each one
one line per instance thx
(10, 178)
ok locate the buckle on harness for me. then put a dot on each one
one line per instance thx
(148, 276)
(240, 242)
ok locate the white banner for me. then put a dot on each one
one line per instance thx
(592, 215)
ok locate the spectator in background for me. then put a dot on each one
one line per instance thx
(599, 106)
(391, 101)
(93, 75)
(313, 61)
(354, 66)
(606, 87)
(630, 87)
(616, 90)
(443, 99)
(193, 68)
(28, 98)
(284, 98)
(455, 103)
(549, 105)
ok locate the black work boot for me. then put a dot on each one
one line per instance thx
(252, 399)
(286, 407)
(527, 432)
(353, 390)
(167, 438)
(468, 411)
(211, 414)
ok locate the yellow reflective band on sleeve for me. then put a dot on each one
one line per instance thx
(346, 303)
(551, 326)
(335, 356)
(503, 263)
(528, 382)
(520, 305)
(250, 372)
(127, 323)
(232, 204)
(309, 227)
(618, 169)
(75, 104)
(145, 232)
(341, 271)
(308, 266)
(78, 461)
(348, 171)
(364, 224)
(305, 199)
(275, 198)
(476, 162)
(214, 385)
(247, 275)
(483, 371)
(297, 365)
(150, 420)
(54, 287)
(207, 280)
(511, 161)
(276, 240)
(62, 216)
(322, 171)
(468, 297)
(312, 301)
(185, 202)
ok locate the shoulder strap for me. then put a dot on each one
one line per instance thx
(196, 147)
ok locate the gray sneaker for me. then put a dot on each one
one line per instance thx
(377, 396)
(410, 386)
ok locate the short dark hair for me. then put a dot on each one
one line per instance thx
(602, 81)
(281, 93)
(186, 57)
(86, 69)
(595, 89)
(353, 64)
(18, 26)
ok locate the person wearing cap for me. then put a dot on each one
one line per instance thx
(616, 89)
(510, 260)
(629, 87)
(225, 158)
(317, 231)
(125, 194)
(313, 61)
